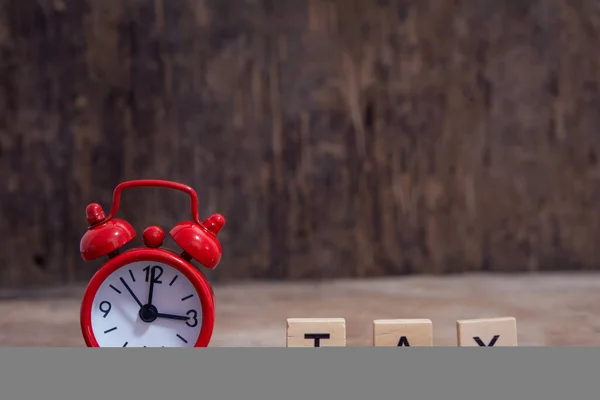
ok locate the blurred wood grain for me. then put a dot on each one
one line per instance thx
(339, 138)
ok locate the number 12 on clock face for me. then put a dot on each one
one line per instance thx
(146, 304)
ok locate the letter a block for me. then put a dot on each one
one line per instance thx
(316, 332)
(491, 332)
(402, 332)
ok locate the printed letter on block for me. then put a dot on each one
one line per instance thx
(402, 332)
(316, 332)
(490, 332)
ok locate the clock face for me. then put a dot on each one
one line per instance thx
(146, 304)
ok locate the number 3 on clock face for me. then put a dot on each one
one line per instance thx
(146, 304)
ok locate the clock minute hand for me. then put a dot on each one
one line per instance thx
(171, 316)
(131, 292)
(151, 290)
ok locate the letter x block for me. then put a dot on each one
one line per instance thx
(402, 332)
(316, 332)
(490, 332)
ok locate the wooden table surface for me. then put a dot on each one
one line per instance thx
(551, 310)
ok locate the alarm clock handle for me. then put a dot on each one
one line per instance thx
(155, 183)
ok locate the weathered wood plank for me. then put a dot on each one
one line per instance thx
(339, 138)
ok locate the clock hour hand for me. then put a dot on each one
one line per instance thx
(131, 292)
(171, 316)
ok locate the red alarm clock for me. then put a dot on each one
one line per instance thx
(151, 296)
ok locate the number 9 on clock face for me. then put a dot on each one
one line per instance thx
(146, 304)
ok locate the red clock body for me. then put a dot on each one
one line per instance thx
(152, 296)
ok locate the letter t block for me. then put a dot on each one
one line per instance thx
(316, 332)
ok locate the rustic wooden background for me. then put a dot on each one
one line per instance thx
(339, 138)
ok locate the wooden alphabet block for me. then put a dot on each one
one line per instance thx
(490, 332)
(402, 332)
(316, 332)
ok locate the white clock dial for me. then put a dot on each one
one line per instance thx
(174, 318)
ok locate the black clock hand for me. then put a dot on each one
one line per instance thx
(151, 290)
(131, 292)
(170, 316)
